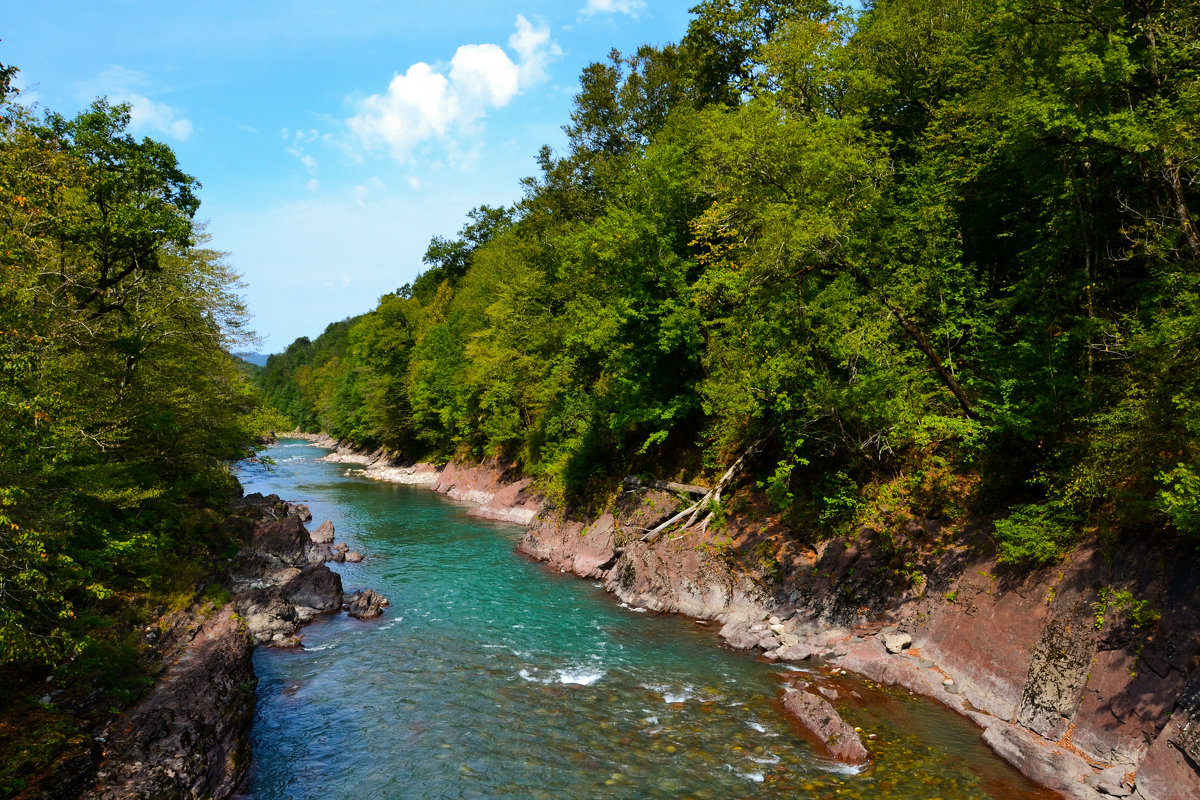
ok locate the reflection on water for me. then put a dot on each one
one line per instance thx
(490, 676)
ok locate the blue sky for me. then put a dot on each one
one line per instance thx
(332, 139)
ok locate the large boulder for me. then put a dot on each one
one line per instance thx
(818, 718)
(323, 534)
(737, 634)
(285, 541)
(319, 588)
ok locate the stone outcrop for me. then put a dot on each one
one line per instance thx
(282, 581)
(189, 737)
(496, 490)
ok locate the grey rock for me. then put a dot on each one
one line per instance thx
(323, 534)
(798, 652)
(897, 642)
(1058, 671)
(319, 588)
(769, 643)
(267, 615)
(300, 511)
(1112, 782)
(366, 604)
(738, 635)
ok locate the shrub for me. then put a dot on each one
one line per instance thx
(1180, 498)
(1033, 535)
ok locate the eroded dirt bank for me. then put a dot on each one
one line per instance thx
(1083, 675)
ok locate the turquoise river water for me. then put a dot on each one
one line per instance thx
(491, 676)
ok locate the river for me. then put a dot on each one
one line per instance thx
(490, 676)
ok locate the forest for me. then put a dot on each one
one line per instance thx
(901, 258)
(121, 411)
(920, 255)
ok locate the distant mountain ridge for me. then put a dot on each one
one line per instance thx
(258, 359)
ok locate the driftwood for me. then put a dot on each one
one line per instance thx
(702, 508)
(634, 482)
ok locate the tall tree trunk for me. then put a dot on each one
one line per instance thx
(923, 343)
(1179, 201)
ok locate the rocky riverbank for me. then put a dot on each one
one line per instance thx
(1083, 675)
(188, 737)
(281, 580)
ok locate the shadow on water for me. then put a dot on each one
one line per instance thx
(492, 677)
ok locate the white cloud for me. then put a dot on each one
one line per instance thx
(535, 50)
(629, 7)
(294, 143)
(123, 85)
(427, 103)
(147, 114)
(313, 184)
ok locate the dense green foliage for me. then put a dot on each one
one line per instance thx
(918, 251)
(120, 408)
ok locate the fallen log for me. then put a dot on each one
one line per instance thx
(705, 504)
(634, 482)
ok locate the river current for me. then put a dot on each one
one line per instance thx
(490, 676)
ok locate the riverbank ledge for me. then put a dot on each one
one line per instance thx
(189, 737)
(1087, 696)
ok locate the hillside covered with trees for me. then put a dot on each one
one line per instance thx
(930, 255)
(120, 413)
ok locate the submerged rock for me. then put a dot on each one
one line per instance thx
(818, 717)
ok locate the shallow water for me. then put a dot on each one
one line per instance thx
(490, 676)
